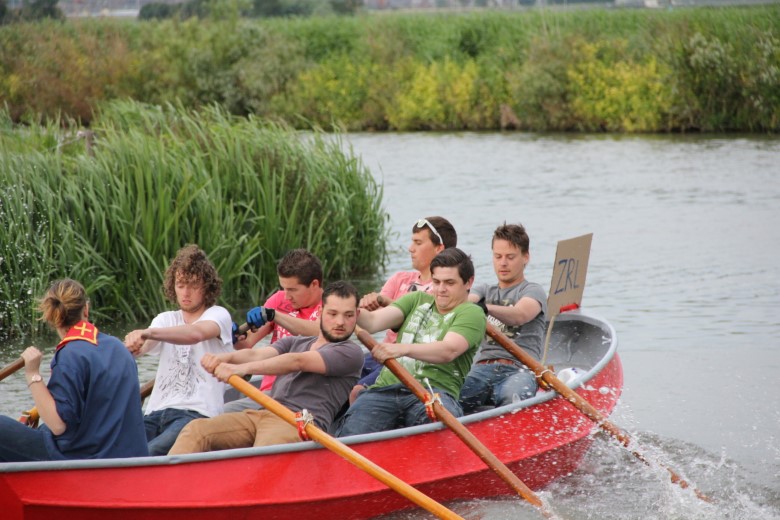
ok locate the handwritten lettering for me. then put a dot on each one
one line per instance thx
(567, 276)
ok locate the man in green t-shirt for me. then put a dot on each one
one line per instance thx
(438, 335)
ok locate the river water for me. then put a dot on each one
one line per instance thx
(683, 264)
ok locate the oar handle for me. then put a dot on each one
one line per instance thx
(339, 448)
(243, 329)
(578, 401)
(11, 368)
(458, 429)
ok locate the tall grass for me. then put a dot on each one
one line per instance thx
(245, 190)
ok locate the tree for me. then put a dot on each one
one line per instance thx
(39, 9)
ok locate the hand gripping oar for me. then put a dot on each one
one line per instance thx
(339, 448)
(458, 429)
(29, 417)
(579, 402)
(11, 368)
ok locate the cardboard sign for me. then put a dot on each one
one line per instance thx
(568, 279)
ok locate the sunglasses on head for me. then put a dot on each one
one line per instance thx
(424, 222)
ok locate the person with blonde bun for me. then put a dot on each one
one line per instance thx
(91, 405)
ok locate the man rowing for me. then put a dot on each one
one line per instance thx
(183, 390)
(300, 298)
(438, 335)
(313, 374)
(517, 308)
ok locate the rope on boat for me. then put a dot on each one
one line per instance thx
(431, 398)
(302, 420)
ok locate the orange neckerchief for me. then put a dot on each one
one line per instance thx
(82, 330)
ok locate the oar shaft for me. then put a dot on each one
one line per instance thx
(458, 429)
(345, 451)
(146, 389)
(577, 401)
(11, 368)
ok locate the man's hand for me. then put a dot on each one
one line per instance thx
(356, 391)
(135, 340)
(210, 362)
(225, 370)
(482, 305)
(370, 302)
(384, 351)
(237, 336)
(259, 316)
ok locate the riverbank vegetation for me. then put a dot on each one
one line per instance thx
(699, 69)
(111, 206)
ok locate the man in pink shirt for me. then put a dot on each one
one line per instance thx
(300, 279)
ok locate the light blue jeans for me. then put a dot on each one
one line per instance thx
(388, 408)
(163, 426)
(496, 385)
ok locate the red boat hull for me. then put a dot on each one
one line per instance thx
(540, 443)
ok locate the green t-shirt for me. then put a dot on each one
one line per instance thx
(424, 324)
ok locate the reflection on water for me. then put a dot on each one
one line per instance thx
(683, 264)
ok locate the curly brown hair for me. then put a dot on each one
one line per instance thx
(192, 264)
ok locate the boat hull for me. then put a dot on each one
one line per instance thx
(540, 440)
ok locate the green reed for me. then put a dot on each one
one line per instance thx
(244, 190)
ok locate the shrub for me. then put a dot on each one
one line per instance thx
(613, 93)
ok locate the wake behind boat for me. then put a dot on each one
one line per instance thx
(540, 439)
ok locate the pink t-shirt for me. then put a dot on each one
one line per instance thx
(399, 284)
(278, 302)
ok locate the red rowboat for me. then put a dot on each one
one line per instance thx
(540, 439)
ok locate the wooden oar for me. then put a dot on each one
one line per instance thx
(458, 429)
(339, 448)
(579, 402)
(31, 416)
(11, 368)
(146, 389)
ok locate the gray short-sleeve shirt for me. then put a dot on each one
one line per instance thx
(322, 395)
(529, 336)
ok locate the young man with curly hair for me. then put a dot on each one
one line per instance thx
(183, 390)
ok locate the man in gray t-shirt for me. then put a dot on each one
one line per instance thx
(517, 308)
(315, 374)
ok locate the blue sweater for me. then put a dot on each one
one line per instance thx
(95, 388)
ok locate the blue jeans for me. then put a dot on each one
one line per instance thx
(388, 408)
(163, 426)
(496, 385)
(20, 443)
